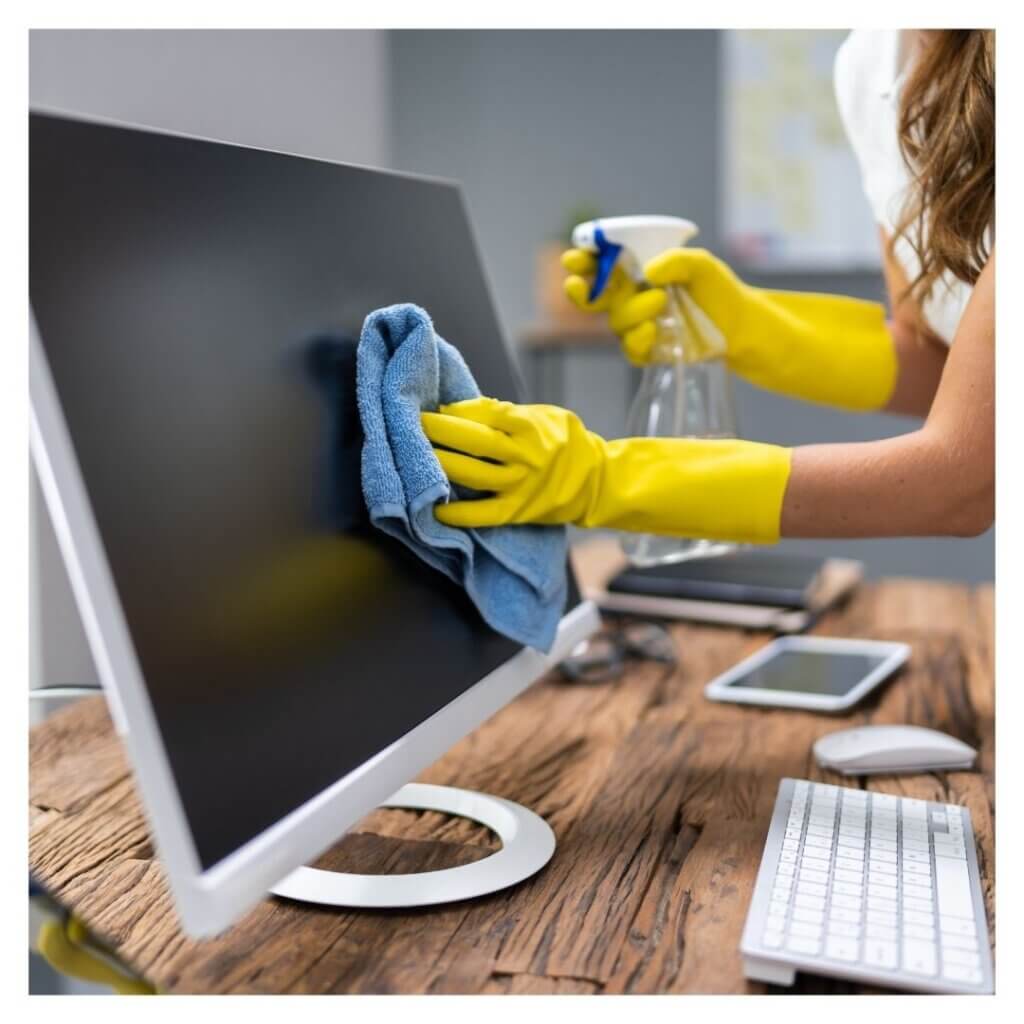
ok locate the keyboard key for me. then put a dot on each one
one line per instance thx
(775, 923)
(878, 876)
(811, 888)
(839, 947)
(913, 903)
(917, 917)
(913, 856)
(809, 875)
(823, 831)
(808, 916)
(955, 926)
(787, 857)
(886, 917)
(880, 953)
(850, 929)
(883, 844)
(917, 931)
(800, 944)
(916, 846)
(882, 856)
(882, 885)
(848, 842)
(791, 844)
(846, 902)
(793, 833)
(953, 888)
(772, 939)
(817, 860)
(848, 889)
(881, 931)
(922, 892)
(882, 867)
(956, 972)
(848, 915)
(958, 941)
(879, 903)
(818, 841)
(919, 957)
(915, 868)
(849, 864)
(805, 929)
(780, 896)
(847, 876)
(964, 957)
(814, 902)
(785, 868)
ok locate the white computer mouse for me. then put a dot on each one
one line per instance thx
(892, 749)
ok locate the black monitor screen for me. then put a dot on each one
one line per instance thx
(199, 306)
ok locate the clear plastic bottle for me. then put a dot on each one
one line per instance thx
(685, 391)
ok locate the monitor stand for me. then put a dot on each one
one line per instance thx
(527, 844)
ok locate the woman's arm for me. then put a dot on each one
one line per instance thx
(937, 480)
(919, 354)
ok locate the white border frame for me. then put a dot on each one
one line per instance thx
(894, 654)
(209, 901)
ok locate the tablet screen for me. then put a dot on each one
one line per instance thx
(816, 673)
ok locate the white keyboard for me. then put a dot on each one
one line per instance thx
(869, 887)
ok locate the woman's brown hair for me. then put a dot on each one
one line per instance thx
(947, 134)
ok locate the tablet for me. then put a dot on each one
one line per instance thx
(815, 673)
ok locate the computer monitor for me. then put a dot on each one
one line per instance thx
(276, 665)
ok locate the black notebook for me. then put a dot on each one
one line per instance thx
(744, 577)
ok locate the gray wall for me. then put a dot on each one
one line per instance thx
(534, 122)
(323, 94)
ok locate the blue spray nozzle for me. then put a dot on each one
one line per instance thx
(607, 254)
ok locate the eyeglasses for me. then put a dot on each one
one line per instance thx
(604, 655)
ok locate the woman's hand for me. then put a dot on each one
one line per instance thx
(540, 464)
(822, 348)
(632, 313)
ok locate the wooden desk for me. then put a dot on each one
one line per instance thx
(659, 798)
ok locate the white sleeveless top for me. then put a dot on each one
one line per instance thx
(869, 72)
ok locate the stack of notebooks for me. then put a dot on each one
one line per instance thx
(756, 589)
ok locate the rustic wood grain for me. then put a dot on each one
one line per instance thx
(660, 801)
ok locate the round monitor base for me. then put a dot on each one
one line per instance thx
(527, 844)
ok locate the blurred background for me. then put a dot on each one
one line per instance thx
(737, 131)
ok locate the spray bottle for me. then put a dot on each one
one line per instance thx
(685, 390)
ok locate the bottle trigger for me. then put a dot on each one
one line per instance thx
(607, 254)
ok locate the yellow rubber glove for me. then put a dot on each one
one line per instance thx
(69, 949)
(823, 348)
(544, 466)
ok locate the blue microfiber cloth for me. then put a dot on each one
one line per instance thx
(515, 575)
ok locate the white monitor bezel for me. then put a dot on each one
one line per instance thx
(209, 900)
